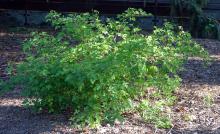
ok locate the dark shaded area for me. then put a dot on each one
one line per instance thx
(197, 72)
(104, 6)
(10, 51)
(159, 7)
(20, 120)
(212, 46)
(14, 119)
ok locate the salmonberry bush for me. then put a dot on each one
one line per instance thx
(96, 68)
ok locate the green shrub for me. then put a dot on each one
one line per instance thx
(154, 113)
(96, 68)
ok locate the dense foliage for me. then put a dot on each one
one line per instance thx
(96, 68)
(201, 25)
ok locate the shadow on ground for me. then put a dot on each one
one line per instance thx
(15, 118)
(197, 73)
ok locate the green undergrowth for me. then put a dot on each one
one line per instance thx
(96, 68)
(155, 113)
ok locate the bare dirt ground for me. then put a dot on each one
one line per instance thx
(197, 110)
(198, 106)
